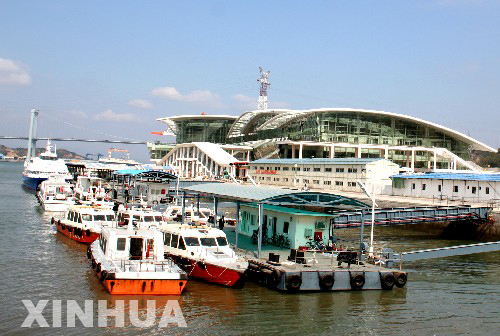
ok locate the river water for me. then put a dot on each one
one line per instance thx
(449, 296)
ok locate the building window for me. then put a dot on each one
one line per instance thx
(339, 183)
(487, 190)
(268, 178)
(439, 188)
(352, 170)
(306, 181)
(297, 180)
(328, 170)
(276, 178)
(285, 227)
(351, 184)
(315, 181)
(473, 190)
(423, 186)
(455, 188)
(286, 168)
(339, 170)
(413, 186)
(317, 169)
(306, 169)
(285, 179)
(327, 182)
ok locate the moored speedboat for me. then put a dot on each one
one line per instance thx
(131, 261)
(41, 167)
(90, 190)
(55, 194)
(204, 253)
(84, 223)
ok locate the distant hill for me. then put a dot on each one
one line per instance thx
(486, 159)
(19, 152)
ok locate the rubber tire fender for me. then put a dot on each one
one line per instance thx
(276, 277)
(357, 281)
(293, 282)
(326, 280)
(98, 268)
(401, 279)
(387, 280)
(89, 252)
(103, 276)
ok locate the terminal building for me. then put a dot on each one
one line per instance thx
(413, 144)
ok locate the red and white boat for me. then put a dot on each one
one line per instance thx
(84, 223)
(55, 194)
(131, 261)
(89, 190)
(204, 253)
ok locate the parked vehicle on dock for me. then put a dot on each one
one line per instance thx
(84, 223)
(204, 253)
(131, 261)
(55, 193)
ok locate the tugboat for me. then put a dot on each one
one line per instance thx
(41, 167)
(131, 261)
(204, 253)
(84, 223)
(55, 194)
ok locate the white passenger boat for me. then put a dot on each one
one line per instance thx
(131, 261)
(84, 223)
(142, 217)
(204, 253)
(40, 168)
(89, 190)
(191, 214)
(55, 194)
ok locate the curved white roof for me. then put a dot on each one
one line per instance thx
(284, 118)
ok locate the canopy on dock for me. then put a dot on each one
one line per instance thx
(155, 175)
(275, 196)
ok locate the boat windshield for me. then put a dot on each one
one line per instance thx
(100, 218)
(158, 218)
(208, 242)
(86, 217)
(222, 241)
(110, 218)
(191, 241)
(136, 218)
(149, 218)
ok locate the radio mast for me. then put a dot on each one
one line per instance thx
(264, 83)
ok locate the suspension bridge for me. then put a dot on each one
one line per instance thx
(128, 142)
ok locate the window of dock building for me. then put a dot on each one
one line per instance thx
(306, 181)
(423, 186)
(268, 178)
(413, 186)
(439, 187)
(306, 169)
(352, 170)
(285, 179)
(317, 169)
(276, 179)
(339, 170)
(286, 168)
(327, 182)
(351, 184)
(474, 190)
(315, 181)
(328, 170)
(339, 183)
(487, 190)
(120, 244)
(285, 227)
(455, 188)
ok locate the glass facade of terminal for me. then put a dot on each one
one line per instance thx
(203, 130)
(362, 128)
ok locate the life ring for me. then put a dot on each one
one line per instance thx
(357, 281)
(387, 280)
(89, 252)
(401, 279)
(93, 263)
(294, 282)
(103, 276)
(326, 280)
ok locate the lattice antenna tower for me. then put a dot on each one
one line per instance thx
(264, 83)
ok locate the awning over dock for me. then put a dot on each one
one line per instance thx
(275, 196)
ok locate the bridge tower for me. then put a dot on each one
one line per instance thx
(264, 83)
(32, 135)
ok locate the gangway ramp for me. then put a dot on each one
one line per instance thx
(450, 251)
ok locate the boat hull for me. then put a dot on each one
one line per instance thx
(86, 236)
(212, 273)
(144, 287)
(32, 182)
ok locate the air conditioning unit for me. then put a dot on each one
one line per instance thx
(320, 225)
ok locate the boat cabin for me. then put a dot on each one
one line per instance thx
(132, 244)
(89, 217)
(141, 217)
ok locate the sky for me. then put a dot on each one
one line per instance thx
(109, 69)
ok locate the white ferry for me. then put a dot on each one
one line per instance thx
(131, 261)
(84, 223)
(204, 253)
(142, 217)
(89, 190)
(55, 194)
(41, 167)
